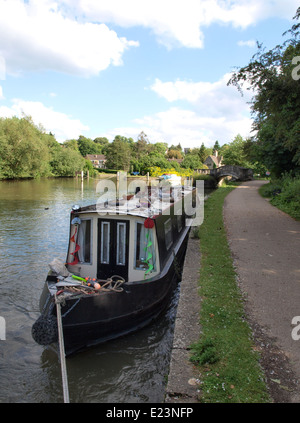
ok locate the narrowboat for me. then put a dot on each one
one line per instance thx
(123, 261)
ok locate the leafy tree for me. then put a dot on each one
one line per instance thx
(73, 144)
(23, 149)
(174, 154)
(88, 146)
(141, 147)
(192, 161)
(216, 146)
(65, 161)
(276, 102)
(235, 153)
(118, 154)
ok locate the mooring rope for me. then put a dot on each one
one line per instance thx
(62, 352)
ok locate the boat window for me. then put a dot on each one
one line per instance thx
(121, 243)
(168, 233)
(105, 233)
(144, 248)
(84, 241)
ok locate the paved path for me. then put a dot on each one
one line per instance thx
(265, 244)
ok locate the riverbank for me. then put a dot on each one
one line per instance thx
(223, 365)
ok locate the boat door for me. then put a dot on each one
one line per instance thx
(113, 243)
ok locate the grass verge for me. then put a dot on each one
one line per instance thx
(225, 354)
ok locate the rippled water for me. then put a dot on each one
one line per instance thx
(34, 225)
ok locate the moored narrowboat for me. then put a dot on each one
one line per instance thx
(123, 261)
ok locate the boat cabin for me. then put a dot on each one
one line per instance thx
(129, 238)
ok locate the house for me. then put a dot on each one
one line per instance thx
(98, 160)
(213, 161)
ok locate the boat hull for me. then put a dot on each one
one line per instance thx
(94, 319)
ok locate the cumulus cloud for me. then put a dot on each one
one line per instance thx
(182, 22)
(212, 111)
(61, 125)
(191, 128)
(187, 127)
(208, 98)
(38, 35)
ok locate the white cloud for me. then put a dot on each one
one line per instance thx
(38, 35)
(208, 98)
(191, 129)
(215, 112)
(186, 127)
(61, 125)
(182, 22)
(248, 43)
(1, 93)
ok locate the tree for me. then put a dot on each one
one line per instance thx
(174, 154)
(141, 147)
(88, 146)
(276, 102)
(235, 153)
(118, 154)
(23, 149)
(216, 146)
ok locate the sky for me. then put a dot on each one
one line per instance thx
(102, 68)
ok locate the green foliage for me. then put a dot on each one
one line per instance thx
(26, 151)
(235, 153)
(284, 193)
(204, 352)
(276, 103)
(88, 146)
(118, 154)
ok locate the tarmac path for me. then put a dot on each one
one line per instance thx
(265, 245)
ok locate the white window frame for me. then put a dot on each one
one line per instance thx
(121, 248)
(107, 241)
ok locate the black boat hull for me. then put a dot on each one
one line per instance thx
(94, 319)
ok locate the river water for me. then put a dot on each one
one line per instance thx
(34, 225)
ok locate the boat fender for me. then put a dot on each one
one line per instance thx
(44, 331)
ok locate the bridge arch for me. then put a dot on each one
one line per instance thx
(237, 172)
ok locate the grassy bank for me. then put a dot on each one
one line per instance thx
(284, 193)
(225, 355)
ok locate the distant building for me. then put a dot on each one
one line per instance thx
(213, 161)
(98, 160)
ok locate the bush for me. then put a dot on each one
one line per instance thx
(284, 194)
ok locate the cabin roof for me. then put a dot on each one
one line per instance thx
(139, 204)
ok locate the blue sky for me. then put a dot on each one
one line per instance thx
(119, 67)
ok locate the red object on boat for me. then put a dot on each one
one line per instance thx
(149, 223)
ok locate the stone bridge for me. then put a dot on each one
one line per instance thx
(236, 172)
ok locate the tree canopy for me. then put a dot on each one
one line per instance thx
(273, 77)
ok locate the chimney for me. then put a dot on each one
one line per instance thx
(216, 153)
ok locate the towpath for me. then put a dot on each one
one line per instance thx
(265, 245)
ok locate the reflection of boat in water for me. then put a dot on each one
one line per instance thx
(122, 261)
(170, 178)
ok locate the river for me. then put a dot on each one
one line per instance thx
(34, 225)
